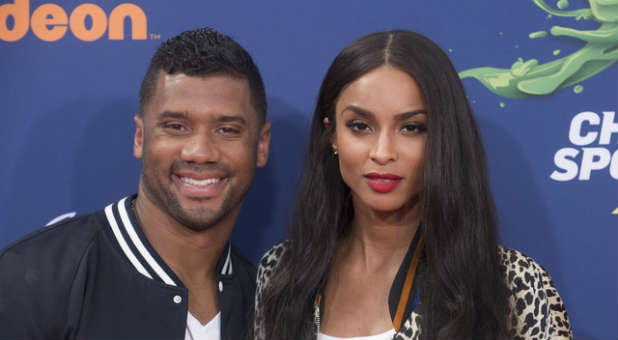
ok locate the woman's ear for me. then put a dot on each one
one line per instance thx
(326, 122)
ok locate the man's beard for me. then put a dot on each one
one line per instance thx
(197, 219)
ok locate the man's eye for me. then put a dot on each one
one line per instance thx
(175, 126)
(229, 131)
(358, 126)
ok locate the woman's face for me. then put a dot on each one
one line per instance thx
(380, 136)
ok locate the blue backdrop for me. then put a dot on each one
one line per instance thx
(67, 105)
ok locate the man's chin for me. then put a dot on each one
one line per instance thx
(199, 219)
(198, 227)
(199, 213)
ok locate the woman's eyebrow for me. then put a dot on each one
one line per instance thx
(358, 110)
(369, 114)
(406, 115)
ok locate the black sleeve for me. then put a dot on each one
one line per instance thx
(37, 276)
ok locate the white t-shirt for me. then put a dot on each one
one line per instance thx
(382, 336)
(197, 331)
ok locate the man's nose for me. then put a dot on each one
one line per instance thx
(201, 148)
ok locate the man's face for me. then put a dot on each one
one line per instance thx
(199, 140)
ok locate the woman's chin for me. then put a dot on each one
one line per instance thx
(386, 207)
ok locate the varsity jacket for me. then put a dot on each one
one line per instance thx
(97, 276)
(537, 311)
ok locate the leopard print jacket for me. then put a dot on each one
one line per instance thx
(537, 309)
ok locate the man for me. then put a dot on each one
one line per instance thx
(157, 264)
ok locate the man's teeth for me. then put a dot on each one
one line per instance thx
(203, 182)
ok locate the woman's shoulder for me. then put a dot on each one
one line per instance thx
(520, 268)
(267, 265)
(269, 261)
(524, 275)
(538, 310)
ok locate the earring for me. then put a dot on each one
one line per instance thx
(334, 150)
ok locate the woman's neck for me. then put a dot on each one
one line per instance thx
(379, 239)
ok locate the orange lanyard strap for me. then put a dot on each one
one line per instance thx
(407, 286)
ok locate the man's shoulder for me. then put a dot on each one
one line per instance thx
(242, 264)
(56, 243)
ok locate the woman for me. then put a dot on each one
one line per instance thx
(394, 234)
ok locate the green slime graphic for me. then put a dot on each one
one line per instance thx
(562, 4)
(526, 78)
(537, 34)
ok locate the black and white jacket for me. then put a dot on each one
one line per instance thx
(537, 309)
(97, 276)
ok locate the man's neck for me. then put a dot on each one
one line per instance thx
(192, 255)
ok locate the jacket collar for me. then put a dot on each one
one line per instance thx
(128, 236)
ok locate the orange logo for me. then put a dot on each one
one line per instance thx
(49, 22)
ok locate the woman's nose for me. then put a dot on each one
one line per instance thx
(383, 150)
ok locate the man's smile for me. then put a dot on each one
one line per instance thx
(200, 186)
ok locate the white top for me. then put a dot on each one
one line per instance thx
(197, 331)
(382, 336)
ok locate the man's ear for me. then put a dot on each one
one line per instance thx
(263, 145)
(138, 139)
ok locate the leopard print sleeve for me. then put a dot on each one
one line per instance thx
(537, 309)
(267, 264)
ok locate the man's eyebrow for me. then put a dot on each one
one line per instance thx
(369, 114)
(231, 119)
(173, 114)
(184, 115)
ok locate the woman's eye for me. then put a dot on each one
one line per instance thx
(358, 126)
(413, 128)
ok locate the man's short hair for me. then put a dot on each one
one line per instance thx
(204, 52)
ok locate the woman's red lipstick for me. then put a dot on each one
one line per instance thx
(382, 183)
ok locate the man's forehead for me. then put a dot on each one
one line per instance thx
(216, 82)
(180, 92)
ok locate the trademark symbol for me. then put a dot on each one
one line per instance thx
(155, 36)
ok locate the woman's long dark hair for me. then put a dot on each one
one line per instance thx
(463, 292)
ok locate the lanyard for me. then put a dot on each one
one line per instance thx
(407, 287)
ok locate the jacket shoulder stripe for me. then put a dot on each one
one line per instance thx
(227, 266)
(140, 246)
(123, 244)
